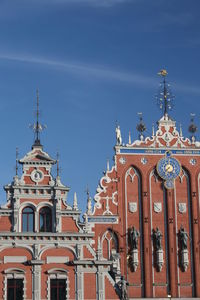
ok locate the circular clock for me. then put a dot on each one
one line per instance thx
(168, 168)
(37, 175)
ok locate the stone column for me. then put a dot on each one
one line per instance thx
(36, 278)
(79, 284)
(100, 283)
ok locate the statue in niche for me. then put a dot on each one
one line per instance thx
(183, 236)
(134, 235)
(157, 236)
(118, 135)
(122, 284)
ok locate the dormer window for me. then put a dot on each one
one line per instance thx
(45, 219)
(28, 219)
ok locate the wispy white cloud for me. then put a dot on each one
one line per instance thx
(99, 3)
(91, 71)
(82, 69)
(94, 3)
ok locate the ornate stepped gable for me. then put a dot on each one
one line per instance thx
(145, 211)
(42, 237)
(139, 240)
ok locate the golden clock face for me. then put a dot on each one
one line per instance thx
(169, 168)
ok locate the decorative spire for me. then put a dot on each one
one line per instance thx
(16, 165)
(89, 202)
(181, 131)
(75, 203)
(192, 127)
(37, 127)
(141, 128)
(129, 138)
(58, 168)
(164, 96)
(108, 165)
(153, 130)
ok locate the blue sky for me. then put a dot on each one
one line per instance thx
(94, 62)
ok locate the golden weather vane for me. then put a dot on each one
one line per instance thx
(163, 72)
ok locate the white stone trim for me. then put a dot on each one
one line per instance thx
(57, 259)
(57, 273)
(36, 209)
(68, 247)
(22, 206)
(14, 273)
(14, 259)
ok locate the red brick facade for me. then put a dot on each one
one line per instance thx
(139, 240)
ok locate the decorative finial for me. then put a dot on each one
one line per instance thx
(108, 165)
(164, 97)
(16, 166)
(57, 161)
(192, 127)
(141, 128)
(181, 131)
(129, 138)
(75, 203)
(153, 130)
(37, 127)
(89, 201)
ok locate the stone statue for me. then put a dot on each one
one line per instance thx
(183, 238)
(157, 238)
(122, 284)
(118, 135)
(134, 235)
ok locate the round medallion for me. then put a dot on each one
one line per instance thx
(168, 168)
(37, 175)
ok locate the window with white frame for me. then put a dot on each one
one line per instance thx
(14, 284)
(57, 285)
(45, 221)
(28, 219)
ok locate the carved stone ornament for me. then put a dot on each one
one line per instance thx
(157, 207)
(182, 208)
(122, 160)
(159, 259)
(144, 160)
(184, 260)
(37, 175)
(193, 161)
(132, 207)
(134, 259)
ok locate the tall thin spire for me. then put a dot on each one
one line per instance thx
(16, 166)
(37, 118)
(164, 96)
(37, 127)
(58, 168)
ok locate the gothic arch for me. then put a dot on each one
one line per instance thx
(109, 242)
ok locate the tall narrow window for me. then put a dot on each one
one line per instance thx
(15, 289)
(45, 220)
(58, 289)
(28, 219)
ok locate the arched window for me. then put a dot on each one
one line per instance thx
(109, 243)
(45, 220)
(27, 219)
